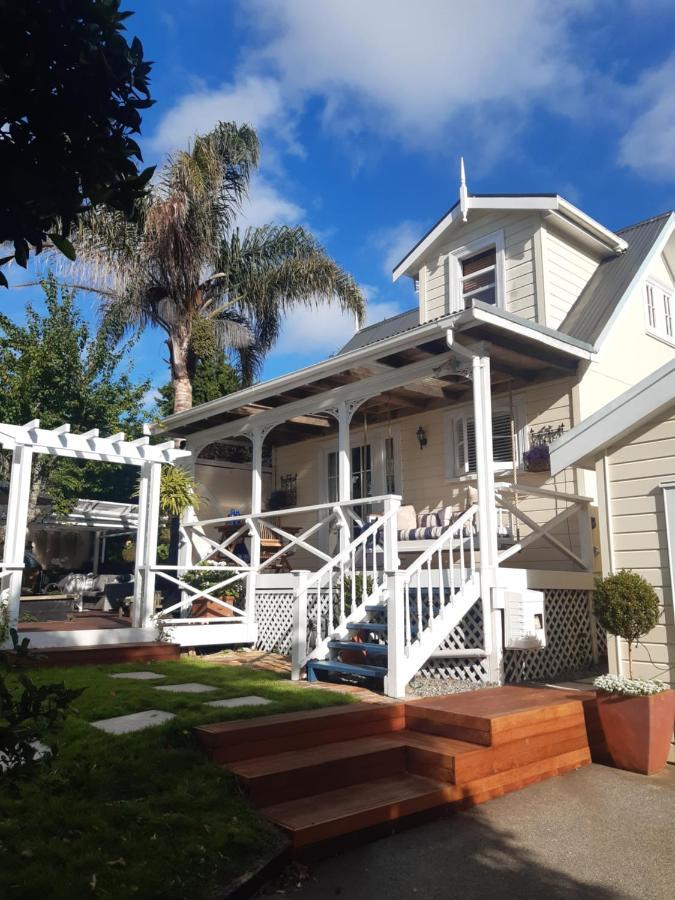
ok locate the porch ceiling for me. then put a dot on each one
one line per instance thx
(403, 376)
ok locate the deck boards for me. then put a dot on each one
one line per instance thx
(328, 774)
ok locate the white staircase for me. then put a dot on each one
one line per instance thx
(362, 617)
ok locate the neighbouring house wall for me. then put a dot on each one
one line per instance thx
(520, 281)
(567, 269)
(628, 354)
(638, 539)
(425, 480)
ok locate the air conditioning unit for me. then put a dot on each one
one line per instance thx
(524, 621)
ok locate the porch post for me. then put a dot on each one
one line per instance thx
(185, 556)
(16, 525)
(141, 527)
(487, 511)
(97, 552)
(344, 460)
(257, 437)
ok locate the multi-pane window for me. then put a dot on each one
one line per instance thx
(479, 277)
(504, 444)
(659, 311)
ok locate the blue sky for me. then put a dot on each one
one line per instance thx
(364, 107)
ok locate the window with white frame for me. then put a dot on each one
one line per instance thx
(479, 277)
(508, 440)
(659, 311)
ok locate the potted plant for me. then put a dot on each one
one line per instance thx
(233, 593)
(537, 459)
(636, 714)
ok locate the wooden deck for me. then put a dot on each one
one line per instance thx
(325, 775)
(100, 654)
(81, 621)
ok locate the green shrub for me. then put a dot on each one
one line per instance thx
(626, 605)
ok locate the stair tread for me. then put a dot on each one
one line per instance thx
(356, 645)
(348, 668)
(381, 793)
(437, 742)
(367, 626)
(307, 756)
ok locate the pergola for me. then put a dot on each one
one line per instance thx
(25, 440)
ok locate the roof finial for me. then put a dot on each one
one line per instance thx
(463, 191)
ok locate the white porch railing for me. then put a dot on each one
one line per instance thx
(429, 598)
(206, 555)
(565, 506)
(328, 600)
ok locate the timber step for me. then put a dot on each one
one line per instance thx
(326, 816)
(365, 647)
(325, 775)
(101, 654)
(334, 666)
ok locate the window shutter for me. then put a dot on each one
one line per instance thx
(502, 443)
(461, 460)
(465, 442)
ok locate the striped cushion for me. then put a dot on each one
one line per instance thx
(420, 534)
(428, 520)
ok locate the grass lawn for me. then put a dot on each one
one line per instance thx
(141, 814)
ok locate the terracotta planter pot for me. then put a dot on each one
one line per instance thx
(638, 730)
(203, 608)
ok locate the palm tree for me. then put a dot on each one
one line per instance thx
(184, 266)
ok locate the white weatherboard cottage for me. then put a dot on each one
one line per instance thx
(419, 510)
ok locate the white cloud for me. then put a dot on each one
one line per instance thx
(412, 68)
(647, 145)
(265, 204)
(322, 331)
(251, 99)
(395, 242)
(151, 397)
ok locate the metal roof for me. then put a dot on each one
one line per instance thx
(610, 281)
(378, 331)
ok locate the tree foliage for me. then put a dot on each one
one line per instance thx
(214, 377)
(627, 605)
(54, 368)
(185, 267)
(71, 94)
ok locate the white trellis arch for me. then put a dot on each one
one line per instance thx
(25, 440)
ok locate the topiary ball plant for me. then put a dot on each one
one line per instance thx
(626, 605)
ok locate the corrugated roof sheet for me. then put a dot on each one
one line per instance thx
(598, 300)
(380, 330)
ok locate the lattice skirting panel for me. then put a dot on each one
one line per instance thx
(468, 635)
(274, 614)
(569, 640)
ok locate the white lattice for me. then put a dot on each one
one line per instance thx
(569, 645)
(274, 615)
(467, 635)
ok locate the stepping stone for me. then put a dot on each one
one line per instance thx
(190, 687)
(138, 676)
(238, 701)
(134, 722)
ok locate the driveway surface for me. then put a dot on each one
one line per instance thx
(595, 833)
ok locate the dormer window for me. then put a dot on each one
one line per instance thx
(479, 277)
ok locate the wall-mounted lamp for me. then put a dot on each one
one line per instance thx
(421, 437)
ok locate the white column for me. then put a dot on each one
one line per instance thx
(146, 543)
(16, 525)
(487, 510)
(257, 437)
(344, 418)
(186, 547)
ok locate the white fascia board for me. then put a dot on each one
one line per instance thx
(515, 203)
(656, 250)
(592, 225)
(624, 415)
(300, 377)
(476, 314)
(420, 249)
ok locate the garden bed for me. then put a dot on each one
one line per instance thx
(141, 814)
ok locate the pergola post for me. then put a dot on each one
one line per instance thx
(16, 527)
(257, 438)
(487, 510)
(146, 543)
(97, 553)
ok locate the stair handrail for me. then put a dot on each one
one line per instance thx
(315, 579)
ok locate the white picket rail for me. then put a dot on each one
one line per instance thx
(327, 601)
(429, 598)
